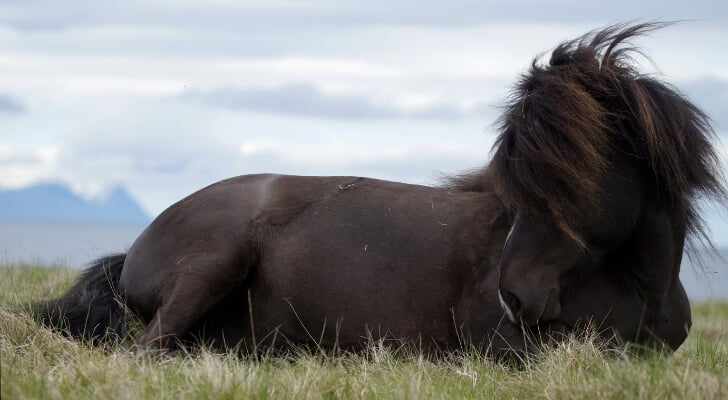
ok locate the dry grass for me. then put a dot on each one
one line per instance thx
(37, 363)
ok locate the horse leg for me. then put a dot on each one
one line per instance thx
(196, 291)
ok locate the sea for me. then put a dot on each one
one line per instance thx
(75, 245)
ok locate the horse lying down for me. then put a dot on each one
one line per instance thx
(580, 217)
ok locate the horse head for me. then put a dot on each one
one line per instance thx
(601, 168)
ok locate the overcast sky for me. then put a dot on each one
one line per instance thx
(164, 97)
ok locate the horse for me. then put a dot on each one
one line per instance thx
(579, 219)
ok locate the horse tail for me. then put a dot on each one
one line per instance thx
(92, 309)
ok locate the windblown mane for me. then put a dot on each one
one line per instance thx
(567, 118)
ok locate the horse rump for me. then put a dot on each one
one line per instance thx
(91, 309)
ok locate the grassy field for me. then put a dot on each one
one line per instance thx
(37, 363)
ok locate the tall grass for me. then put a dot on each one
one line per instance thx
(37, 363)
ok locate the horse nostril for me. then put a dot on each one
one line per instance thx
(512, 302)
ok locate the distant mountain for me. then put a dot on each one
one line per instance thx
(56, 202)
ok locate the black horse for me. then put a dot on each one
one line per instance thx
(580, 217)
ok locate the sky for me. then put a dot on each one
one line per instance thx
(165, 97)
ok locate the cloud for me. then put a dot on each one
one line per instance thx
(23, 166)
(307, 101)
(292, 15)
(10, 105)
(162, 150)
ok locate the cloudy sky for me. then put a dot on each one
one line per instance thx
(164, 97)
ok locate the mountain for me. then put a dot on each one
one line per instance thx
(56, 202)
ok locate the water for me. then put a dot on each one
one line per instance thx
(76, 244)
(62, 243)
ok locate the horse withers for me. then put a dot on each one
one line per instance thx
(579, 218)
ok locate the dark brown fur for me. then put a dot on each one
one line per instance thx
(580, 217)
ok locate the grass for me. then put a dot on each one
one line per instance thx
(36, 363)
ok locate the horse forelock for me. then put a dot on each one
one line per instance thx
(567, 119)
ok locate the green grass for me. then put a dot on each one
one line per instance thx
(36, 363)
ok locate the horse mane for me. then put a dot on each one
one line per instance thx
(566, 119)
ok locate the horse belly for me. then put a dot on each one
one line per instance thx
(346, 291)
